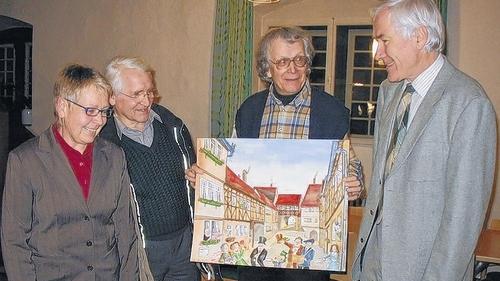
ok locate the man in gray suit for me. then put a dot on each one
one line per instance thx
(434, 155)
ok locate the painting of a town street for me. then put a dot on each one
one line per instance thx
(271, 203)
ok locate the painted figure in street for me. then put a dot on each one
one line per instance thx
(308, 254)
(238, 254)
(333, 258)
(225, 256)
(295, 253)
(278, 261)
(259, 254)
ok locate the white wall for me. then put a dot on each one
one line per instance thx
(474, 46)
(175, 37)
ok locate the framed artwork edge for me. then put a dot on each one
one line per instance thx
(241, 221)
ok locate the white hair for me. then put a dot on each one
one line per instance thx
(117, 64)
(409, 15)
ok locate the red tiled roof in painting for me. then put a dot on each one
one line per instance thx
(311, 198)
(266, 200)
(288, 199)
(269, 191)
(235, 182)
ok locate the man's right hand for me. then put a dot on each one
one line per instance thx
(191, 173)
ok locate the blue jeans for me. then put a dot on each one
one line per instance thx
(169, 259)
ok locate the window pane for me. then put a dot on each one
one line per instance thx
(372, 127)
(361, 93)
(10, 78)
(2, 66)
(359, 127)
(319, 60)
(359, 110)
(2, 53)
(10, 65)
(318, 87)
(362, 60)
(10, 52)
(379, 76)
(314, 27)
(363, 43)
(319, 43)
(361, 76)
(317, 76)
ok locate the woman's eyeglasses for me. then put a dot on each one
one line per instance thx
(92, 111)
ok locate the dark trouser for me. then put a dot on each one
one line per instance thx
(169, 259)
(278, 274)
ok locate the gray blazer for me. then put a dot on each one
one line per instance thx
(436, 195)
(49, 231)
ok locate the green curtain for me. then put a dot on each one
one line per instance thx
(443, 8)
(232, 63)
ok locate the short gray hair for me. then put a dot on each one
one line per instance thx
(74, 78)
(117, 64)
(291, 35)
(409, 15)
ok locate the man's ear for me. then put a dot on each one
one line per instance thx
(61, 106)
(421, 35)
(268, 74)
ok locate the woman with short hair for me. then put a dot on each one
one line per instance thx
(66, 206)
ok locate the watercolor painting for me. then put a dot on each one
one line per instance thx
(271, 203)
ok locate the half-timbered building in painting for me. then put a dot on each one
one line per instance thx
(332, 209)
(288, 206)
(310, 211)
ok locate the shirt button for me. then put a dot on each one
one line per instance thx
(86, 218)
(280, 129)
(89, 243)
(81, 164)
(90, 268)
(362, 240)
(371, 212)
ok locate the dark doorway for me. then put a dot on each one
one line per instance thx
(15, 88)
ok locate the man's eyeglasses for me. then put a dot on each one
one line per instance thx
(92, 111)
(140, 94)
(299, 61)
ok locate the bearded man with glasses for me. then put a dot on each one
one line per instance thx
(158, 148)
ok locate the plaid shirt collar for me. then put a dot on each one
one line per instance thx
(289, 121)
(302, 97)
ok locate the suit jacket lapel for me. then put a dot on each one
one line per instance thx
(53, 157)
(100, 165)
(424, 113)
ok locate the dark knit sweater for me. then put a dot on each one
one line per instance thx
(329, 118)
(157, 174)
(147, 172)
